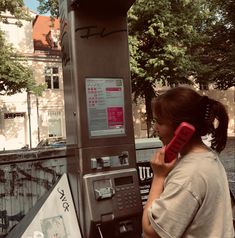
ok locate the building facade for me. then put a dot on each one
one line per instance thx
(25, 118)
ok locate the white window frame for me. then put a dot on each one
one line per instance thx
(51, 76)
(53, 118)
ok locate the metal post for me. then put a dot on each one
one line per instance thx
(29, 117)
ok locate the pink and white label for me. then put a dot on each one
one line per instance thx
(115, 117)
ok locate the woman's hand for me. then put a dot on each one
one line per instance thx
(158, 165)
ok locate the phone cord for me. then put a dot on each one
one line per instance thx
(99, 229)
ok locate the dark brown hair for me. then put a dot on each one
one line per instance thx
(185, 104)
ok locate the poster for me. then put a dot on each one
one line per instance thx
(105, 106)
(145, 175)
(56, 218)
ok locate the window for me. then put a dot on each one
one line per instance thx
(52, 77)
(54, 123)
(11, 115)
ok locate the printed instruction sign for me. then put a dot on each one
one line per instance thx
(57, 217)
(105, 106)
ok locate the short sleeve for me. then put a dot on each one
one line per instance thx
(173, 211)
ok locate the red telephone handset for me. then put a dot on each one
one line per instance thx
(182, 135)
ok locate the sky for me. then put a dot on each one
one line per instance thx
(32, 5)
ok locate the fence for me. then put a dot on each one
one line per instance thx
(24, 177)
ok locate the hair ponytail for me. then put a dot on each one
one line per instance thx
(213, 120)
(219, 132)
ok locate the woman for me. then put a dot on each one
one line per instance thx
(189, 196)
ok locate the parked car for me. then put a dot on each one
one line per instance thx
(52, 142)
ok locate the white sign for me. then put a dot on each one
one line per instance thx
(105, 106)
(57, 217)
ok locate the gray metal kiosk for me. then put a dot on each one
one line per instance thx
(100, 138)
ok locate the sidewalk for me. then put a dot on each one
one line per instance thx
(228, 159)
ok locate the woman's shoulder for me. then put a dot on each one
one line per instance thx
(195, 159)
(197, 164)
(196, 171)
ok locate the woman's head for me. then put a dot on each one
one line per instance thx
(184, 104)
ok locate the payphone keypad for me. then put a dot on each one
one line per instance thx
(125, 193)
(126, 197)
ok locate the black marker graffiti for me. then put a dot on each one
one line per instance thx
(22, 184)
(64, 200)
(5, 219)
(89, 31)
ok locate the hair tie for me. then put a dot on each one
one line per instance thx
(205, 106)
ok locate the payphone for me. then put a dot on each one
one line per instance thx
(100, 139)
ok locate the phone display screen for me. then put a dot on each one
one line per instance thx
(123, 180)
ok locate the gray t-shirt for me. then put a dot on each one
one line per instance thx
(196, 200)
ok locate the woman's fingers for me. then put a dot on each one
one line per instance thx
(161, 155)
(158, 157)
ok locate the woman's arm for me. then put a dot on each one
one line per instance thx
(160, 171)
(155, 192)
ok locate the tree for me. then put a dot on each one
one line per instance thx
(16, 8)
(172, 42)
(162, 34)
(219, 52)
(51, 6)
(14, 76)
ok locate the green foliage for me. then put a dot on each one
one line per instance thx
(15, 76)
(174, 41)
(163, 33)
(161, 37)
(51, 6)
(16, 8)
(219, 52)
